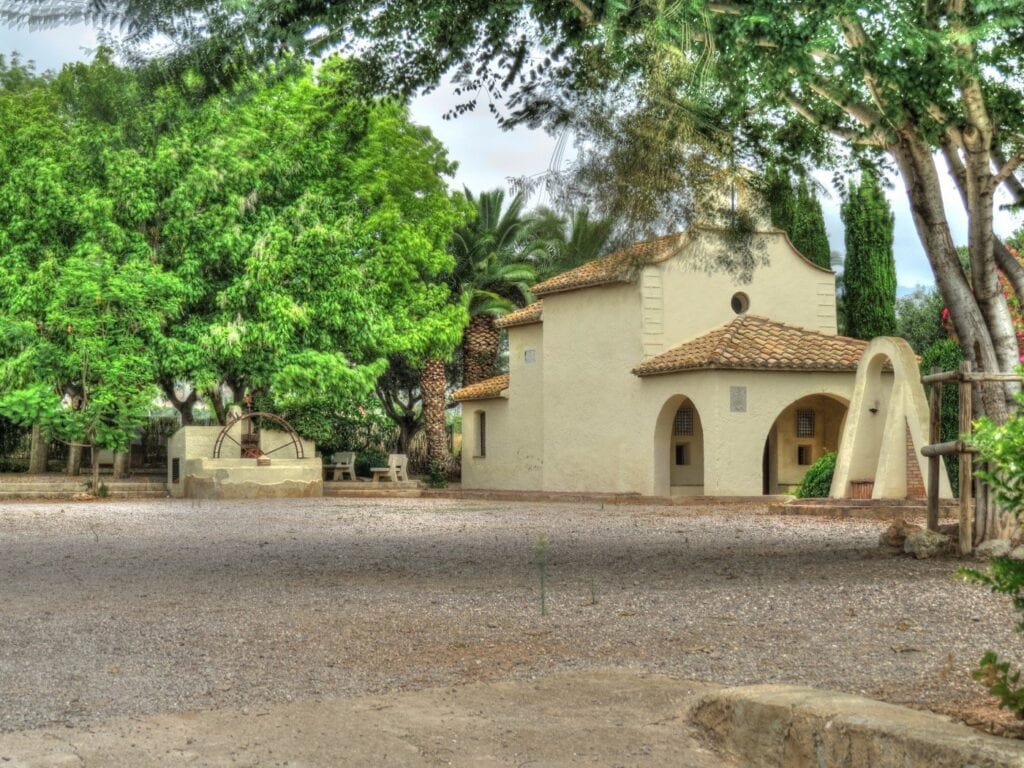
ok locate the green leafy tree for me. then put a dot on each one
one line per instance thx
(831, 69)
(284, 239)
(870, 269)
(84, 306)
(310, 226)
(919, 318)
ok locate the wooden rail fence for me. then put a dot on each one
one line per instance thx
(964, 378)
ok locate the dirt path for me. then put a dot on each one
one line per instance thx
(149, 608)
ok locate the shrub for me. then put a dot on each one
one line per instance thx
(437, 477)
(946, 354)
(1002, 448)
(370, 458)
(818, 480)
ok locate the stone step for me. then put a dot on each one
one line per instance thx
(371, 493)
(56, 487)
(876, 509)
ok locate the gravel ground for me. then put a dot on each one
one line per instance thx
(132, 608)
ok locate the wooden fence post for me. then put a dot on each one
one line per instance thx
(934, 435)
(966, 518)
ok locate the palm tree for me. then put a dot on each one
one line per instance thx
(490, 280)
(433, 383)
(491, 276)
(555, 250)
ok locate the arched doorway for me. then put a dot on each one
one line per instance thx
(681, 447)
(802, 433)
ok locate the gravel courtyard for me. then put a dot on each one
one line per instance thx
(132, 608)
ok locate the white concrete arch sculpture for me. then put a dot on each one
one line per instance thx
(886, 405)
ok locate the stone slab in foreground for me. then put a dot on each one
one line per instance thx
(781, 726)
(592, 718)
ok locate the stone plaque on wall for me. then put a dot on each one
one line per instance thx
(738, 399)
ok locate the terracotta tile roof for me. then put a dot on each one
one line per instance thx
(483, 390)
(618, 267)
(757, 343)
(531, 313)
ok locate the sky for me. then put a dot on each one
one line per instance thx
(488, 157)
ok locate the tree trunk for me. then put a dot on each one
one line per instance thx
(404, 438)
(95, 470)
(433, 383)
(38, 452)
(74, 460)
(479, 349)
(981, 317)
(121, 465)
(977, 341)
(183, 406)
(984, 275)
(218, 405)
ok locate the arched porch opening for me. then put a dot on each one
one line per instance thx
(880, 457)
(802, 433)
(679, 448)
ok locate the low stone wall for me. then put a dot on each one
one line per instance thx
(781, 726)
(245, 479)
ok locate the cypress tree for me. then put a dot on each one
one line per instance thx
(870, 275)
(780, 198)
(808, 229)
(796, 211)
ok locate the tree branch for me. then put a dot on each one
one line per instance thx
(862, 113)
(1007, 169)
(1009, 266)
(1011, 181)
(586, 12)
(856, 38)
(956, 167)
(842, 133)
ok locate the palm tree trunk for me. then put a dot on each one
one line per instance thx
(432, 384)
(479, 349)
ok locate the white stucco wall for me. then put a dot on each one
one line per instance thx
(788, 289)
(734, 441)
(193, 443)
(592, 340)
(515, 427)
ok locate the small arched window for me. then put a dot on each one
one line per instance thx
(481, 434)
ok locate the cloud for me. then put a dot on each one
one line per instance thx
(50, 49)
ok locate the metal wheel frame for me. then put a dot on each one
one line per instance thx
(296, 441)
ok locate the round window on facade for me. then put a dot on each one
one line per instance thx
(740, 303)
